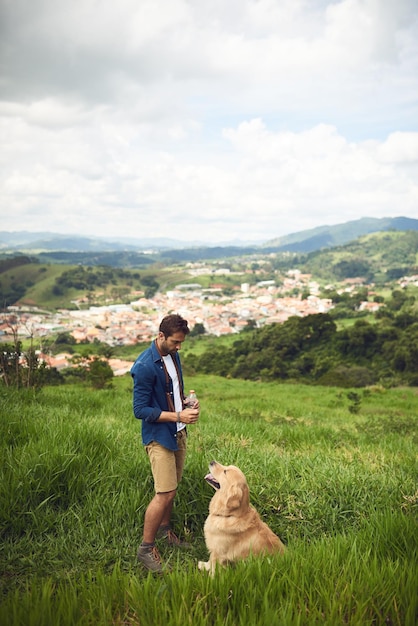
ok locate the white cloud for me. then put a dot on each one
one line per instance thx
(248, 118)
(400, 148)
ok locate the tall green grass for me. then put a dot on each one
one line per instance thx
(339, 488)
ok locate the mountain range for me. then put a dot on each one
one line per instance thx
(302, 242)
(339, 234)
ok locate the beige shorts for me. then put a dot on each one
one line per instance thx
(167, 465)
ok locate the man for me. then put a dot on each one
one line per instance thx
(158, 400)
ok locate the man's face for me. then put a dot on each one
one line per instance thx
(170, 344)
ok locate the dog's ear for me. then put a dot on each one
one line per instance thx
(237, 495)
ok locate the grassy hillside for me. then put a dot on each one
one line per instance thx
(339, 489)
(57, 286)
(31, 283)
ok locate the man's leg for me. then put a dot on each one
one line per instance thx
(167, 470)
(157, 514)
(165, 531)
(163, 467)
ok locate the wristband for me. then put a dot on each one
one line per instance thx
(178, 416)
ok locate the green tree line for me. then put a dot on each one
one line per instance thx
(311, 349)
(83, 278)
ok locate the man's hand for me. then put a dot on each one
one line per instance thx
(190, 416)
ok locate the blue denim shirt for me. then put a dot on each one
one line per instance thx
(149, 397)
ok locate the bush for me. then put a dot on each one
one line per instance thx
(342, 376)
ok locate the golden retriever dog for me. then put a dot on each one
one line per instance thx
(233, 529)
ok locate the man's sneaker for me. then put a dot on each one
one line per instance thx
(150, 558)
(171, 538)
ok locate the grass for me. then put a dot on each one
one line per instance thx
(339, 488)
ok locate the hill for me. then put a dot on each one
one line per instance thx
(103, 277)
(57, 247)
(377, 257)
(29, 242)
(26, 281)
(329, 236)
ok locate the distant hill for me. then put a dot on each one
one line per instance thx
(29, 242)
(304, 242)
(59, 248)
(329, 236)
(379, 257)
(26, 241)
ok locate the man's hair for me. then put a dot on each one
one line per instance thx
(173, 323)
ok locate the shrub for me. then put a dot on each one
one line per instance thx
(342, 376)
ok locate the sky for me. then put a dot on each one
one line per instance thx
(206, 120)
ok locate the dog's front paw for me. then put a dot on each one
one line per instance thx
(203, 566)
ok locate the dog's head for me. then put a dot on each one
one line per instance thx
(231, 486)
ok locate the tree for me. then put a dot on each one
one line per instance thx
(100, 374)
(359, 341)
(66, 339)
(251, 325)
(398, 300)
(351, 268)
(10, 355)
(198, 329)
(23, 369)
